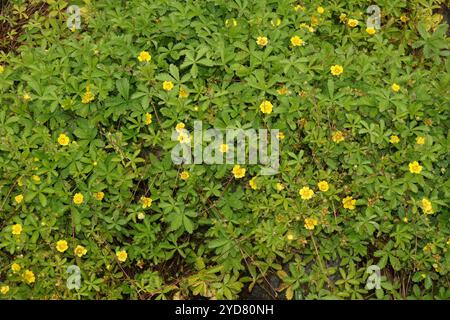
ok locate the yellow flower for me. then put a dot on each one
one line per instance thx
(2, 69)
(78, 198)
(28, 276)
(323, 186)
(17, 229)
(304, 25)
(36, 178)
(183, 93)
(266, 107)
(352, 23)
(144, 56)
(320, 10)
(306, 193)
(63, 139)
(280, 136)
(122, 255)
(275, 22)
(338, 136)
(26, 97)
(448, 241)
(343, 17)
(184, 175)
(349, 203)
(88, 96)
(167, 85)
(141, 216)
(61, 245)
(427, 207)
(310, 223)
(290, 236)
(405, 219)
(253, 184)
(180, 126)
(336, 70)
(231, 22)
(15, 267)
(371, 31)
(420, 140)
(404, 19)
(80, 251)
(428, 247)
(18, 198)
(415, 167)
(262, 41)
(395, 87)
(183, 137)
(279, 186)
(148, 118)
(299, 7)
(99, 195)
(146, 202)
(4, 289)
(297, 41)
(314, 21)
(283, 91)
(223, 148)
(394, 139)
(238, 171)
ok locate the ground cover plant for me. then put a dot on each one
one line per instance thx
(87, 181)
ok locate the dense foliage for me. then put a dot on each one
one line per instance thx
(86, 176)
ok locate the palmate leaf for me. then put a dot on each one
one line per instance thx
(195, 57)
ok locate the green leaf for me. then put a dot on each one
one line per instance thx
(123, 86)
(188, 225)
(330, 85)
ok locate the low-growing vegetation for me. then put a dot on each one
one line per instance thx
(87, 114)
